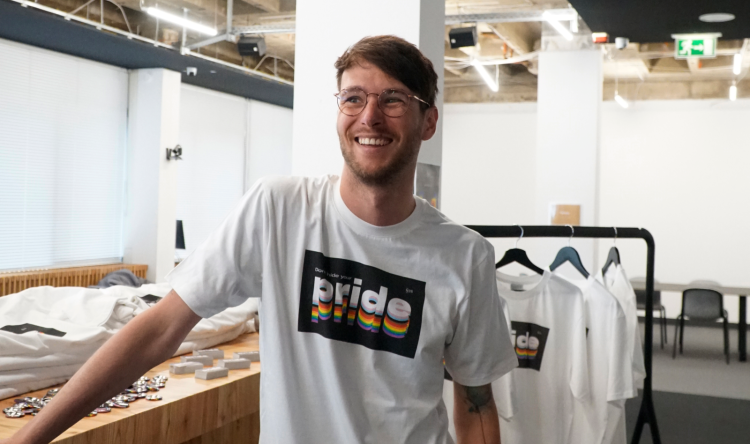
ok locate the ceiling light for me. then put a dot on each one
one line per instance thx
(737, 64)
(181, 21)
(622, 102)
(558, 26)
(716, 17)
(493, 84)
(733, 92)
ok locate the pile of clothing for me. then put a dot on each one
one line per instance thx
(47, 333)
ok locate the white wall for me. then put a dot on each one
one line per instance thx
(211, 174)
(269, 141)
(677, 168)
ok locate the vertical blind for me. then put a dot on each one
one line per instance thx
(63, 129)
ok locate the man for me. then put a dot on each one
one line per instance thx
(365, 289)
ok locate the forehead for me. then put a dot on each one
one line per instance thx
(370, 78)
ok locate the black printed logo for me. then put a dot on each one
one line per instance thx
(25, 328)
(352, 302)
(529, 341)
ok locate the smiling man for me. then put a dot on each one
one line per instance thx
(368, 292)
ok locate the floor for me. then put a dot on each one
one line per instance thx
(698, 398)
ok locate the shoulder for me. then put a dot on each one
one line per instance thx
(560, 286)
(295, 188)
(453, 236)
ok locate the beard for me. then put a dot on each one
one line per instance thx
(389, 173)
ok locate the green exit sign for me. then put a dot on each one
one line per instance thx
(695, 45)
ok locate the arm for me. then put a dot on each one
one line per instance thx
(146, 341)
(475, 415)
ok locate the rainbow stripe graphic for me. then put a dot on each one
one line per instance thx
(315, 314)
(525, 353)
(350, 316)
(395, 329)
(365, 319)
(337, 313)
(376, 324)
(325, 310)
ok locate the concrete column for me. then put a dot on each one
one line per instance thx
(325, 28)
(153, 126)
(568, 116)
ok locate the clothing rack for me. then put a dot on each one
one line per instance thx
(646, 414)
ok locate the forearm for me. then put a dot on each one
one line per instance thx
(475, 415)
(143, 343)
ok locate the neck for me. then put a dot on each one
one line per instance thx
(379, 205)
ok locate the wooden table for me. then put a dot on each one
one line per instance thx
(742, 292)
(224, 410)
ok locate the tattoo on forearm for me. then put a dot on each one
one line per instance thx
(478, 398)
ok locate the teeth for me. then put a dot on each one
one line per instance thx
(372, 141)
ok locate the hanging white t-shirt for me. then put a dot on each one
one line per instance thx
(609, 362)
(549, 333)
(618, 284)
(356, 318)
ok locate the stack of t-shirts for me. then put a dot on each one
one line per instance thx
(609, 364)
(549, 332)
(616, 281)
(46, 333)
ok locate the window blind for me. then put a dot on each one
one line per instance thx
(63, 130)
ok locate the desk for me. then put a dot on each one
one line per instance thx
(224, 410)
(742, 292)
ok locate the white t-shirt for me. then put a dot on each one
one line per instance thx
(609, 362)
(356, 318)
(549, 333)
(618, 284)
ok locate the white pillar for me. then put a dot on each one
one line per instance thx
(568, 115)
(153, 126)
(325, 28)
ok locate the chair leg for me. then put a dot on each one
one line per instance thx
(661, 330)
(726, 340)
(682, 331)
(676, 328)
(664, 325)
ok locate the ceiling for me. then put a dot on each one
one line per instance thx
(648, 21)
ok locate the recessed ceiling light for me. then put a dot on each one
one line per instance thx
(716, 17)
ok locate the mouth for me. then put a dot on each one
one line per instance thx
(373, 141)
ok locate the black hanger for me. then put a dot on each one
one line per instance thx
(612, 258)
(518, 256)
(569, 254)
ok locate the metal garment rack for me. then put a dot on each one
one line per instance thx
(646, 414)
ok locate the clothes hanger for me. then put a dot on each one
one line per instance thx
(518, 256)
(569, 254)
(613, 257)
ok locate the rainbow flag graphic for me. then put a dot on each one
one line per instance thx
(525, 353)
(325, 310)
(350, 316)
(315, 314)
(337, 313)
(395, 329)
(365, 319)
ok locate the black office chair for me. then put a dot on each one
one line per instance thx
(640, 299)
(703, 304)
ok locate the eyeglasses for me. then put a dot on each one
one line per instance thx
(392, 102)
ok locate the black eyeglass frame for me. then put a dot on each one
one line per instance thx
(367, 99)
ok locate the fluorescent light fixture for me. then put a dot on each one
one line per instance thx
(558, 27)
(485, 75)
(622, 102)
(737, 64)
(177, 20)
(733, 93)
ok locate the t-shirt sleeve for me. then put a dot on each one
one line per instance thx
(227, 268)
(579, 380)
(480, 350)
(621, 382)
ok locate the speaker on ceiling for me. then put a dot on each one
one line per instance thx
(251, 46)
(460, 37)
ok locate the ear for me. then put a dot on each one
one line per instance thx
(429, 121)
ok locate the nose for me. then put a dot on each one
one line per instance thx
(371, 115)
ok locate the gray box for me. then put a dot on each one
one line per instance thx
(205, 360)
(234, 364)
(184, 368)
(212, 373)
(251, 356)
(214, 353)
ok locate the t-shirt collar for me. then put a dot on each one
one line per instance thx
(505, 279)
(367, 229)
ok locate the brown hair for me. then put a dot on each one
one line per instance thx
(397, 58)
